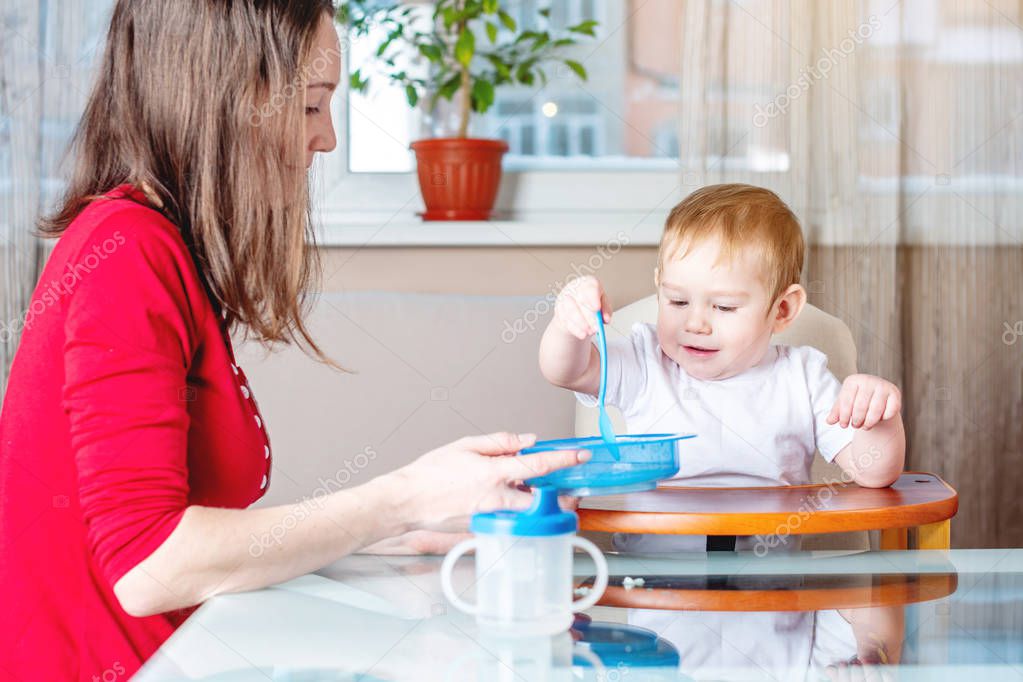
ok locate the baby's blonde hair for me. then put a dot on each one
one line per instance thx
(742, 217)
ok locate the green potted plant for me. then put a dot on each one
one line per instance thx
(460, 52)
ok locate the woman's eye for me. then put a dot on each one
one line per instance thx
(726, 308)
(312, 110)
(679, 304)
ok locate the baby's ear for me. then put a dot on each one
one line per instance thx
(789, 305)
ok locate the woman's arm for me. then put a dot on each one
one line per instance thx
(213, 551)
(416, 542)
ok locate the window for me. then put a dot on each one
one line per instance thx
(623, 116)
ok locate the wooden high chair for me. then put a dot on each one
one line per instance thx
(842, 513)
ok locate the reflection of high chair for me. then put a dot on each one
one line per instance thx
(841, 525)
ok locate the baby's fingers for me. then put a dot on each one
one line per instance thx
(860, 406)
(572, 317)
(605, 306)
(892, 406)
(844, 404)
(580, 325)
(587, 294)
(876, 410)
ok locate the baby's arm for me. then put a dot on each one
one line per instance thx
(877, 454)
(879, 632)
(567, 358)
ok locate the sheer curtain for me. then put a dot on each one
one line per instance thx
(895, 130)
(47, 55)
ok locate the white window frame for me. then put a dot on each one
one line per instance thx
(624, 191)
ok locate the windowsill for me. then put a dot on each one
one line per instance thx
(409, 230)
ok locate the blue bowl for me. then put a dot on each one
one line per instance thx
(645, 459)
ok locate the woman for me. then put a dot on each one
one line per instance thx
(131, 444)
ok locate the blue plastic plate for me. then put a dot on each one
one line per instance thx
(618, 645)
(645, 459)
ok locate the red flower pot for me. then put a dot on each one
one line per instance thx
(459, 176)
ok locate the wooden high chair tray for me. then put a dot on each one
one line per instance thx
(788, 592)
(914, 500)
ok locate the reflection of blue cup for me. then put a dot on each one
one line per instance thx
(644, 460)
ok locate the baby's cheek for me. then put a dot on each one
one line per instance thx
(667, 336)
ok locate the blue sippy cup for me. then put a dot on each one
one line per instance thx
(524, 569)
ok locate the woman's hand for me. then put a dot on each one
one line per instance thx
(445, 487)
(417, 542)
(214, 550)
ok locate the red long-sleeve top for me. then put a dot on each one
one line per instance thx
(124, 406)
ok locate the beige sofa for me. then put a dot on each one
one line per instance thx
(426, 369)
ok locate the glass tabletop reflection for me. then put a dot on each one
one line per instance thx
(916, 615)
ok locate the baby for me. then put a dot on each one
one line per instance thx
(727, 279)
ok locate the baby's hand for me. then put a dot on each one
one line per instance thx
(576, 305)
(864, 401)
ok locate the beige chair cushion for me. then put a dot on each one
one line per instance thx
(813, 327)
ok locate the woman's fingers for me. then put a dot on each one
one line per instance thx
(500, 443)
(540, 464)
(568, 503)
(433, 542)
(516, 500)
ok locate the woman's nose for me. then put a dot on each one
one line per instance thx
(324, 139)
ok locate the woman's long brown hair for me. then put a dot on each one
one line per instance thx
(201, 103)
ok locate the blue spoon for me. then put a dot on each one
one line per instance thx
(607, 431)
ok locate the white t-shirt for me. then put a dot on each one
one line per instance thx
(791, 645)
(757, 428)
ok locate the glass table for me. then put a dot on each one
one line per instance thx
(899, 615)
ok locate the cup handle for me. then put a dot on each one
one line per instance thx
(600, 583)
(445, 575)
(585, 652)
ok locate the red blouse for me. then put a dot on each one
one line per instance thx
(124, 406)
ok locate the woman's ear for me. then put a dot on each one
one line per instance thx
(788, 307)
